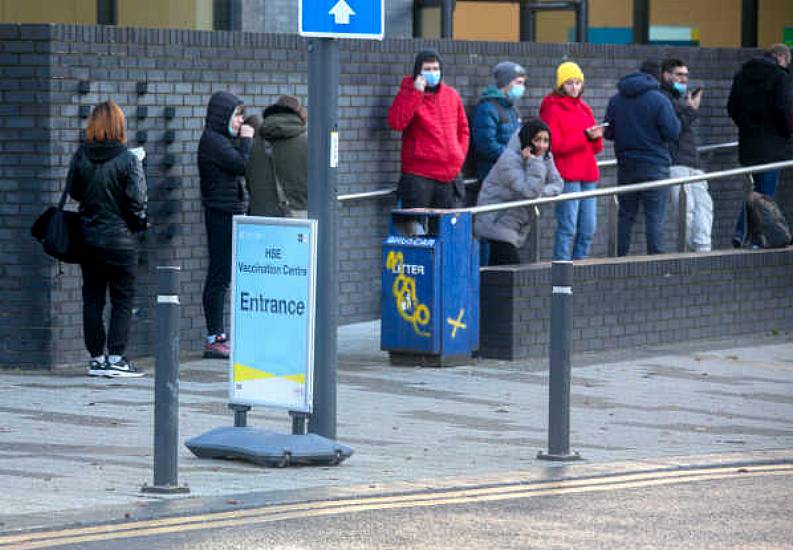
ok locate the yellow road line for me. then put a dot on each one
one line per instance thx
(324, 508)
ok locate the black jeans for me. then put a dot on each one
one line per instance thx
(218, 226)
(112, 270)
(419, 192)
(503, 253)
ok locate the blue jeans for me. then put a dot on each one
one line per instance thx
(765, 183)
(654, 202)
(575, 223)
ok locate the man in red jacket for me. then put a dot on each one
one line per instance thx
(434, 129)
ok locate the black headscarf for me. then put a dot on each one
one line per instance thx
(530, 129)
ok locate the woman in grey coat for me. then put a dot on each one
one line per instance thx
(525, 170)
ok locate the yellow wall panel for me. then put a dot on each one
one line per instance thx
(168, 14)
(611, 13)
(719, 21)
(74, 12)
(490, 21)
(553, 26)
(430, 22)
(772, 17)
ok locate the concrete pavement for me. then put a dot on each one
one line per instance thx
(69, 442)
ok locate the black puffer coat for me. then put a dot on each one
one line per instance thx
(760, 105)
(684, 150)
(108, 182)
(221, 161)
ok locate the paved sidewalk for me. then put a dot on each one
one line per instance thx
(72, 442)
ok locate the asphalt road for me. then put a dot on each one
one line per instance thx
(714, 507)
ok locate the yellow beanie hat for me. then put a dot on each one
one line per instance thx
(566, 71)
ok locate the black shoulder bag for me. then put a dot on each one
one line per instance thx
(60, 231)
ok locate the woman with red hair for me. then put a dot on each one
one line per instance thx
(107, 180)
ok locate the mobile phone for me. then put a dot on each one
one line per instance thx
(532, 149)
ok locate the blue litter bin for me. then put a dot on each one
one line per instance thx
(429, 305)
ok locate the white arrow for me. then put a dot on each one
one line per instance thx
(341, 13)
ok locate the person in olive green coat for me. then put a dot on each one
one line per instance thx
(280, 154)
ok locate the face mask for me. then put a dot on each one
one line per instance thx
(679, 87)
(516, 91)
(432, 77)
(232, 133)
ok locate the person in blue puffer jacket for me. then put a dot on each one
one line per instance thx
(495, 118)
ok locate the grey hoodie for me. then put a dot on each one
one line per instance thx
(515, 178)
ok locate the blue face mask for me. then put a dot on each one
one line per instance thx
(433, 78)
(516, 91)
(680, 87)
(231, 124)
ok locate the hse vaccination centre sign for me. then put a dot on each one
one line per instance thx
(342, 18)
(272, 316)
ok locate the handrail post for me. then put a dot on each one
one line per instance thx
(682, 218)
(614, 212)
(535, 229)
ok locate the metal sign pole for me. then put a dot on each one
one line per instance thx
(323, 94)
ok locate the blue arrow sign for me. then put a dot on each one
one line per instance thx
(342, 18)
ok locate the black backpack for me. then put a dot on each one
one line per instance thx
(767, 224)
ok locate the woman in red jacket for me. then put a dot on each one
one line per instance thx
(576, 141)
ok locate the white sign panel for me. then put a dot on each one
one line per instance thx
(272, 316)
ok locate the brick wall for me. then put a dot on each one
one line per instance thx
(42, 67)
(631, 302)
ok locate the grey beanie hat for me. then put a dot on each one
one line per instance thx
(507, 71)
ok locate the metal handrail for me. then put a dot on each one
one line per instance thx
(612, 192)
(366, 194)
(619, 189)
(601, 163)
(704, 149)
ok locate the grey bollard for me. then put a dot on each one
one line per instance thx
(166, 384)
(559, 379)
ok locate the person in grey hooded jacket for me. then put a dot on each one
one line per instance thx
(524, 171)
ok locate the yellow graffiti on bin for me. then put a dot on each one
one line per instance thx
(404, 291)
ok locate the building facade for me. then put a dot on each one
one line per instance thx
(709, 23)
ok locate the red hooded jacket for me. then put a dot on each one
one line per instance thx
(434, 130)
(574, 153)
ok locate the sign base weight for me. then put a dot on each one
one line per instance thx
(268, 448)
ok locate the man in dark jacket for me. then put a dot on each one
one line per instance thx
(431, 117)
(760, 105)
(642, 124)
(223, 153)
(685, 158)
(278, 169)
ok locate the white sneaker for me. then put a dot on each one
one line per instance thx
(97, 368)
(123, 368)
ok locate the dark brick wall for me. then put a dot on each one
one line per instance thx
(42, 67)
(631, 302)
